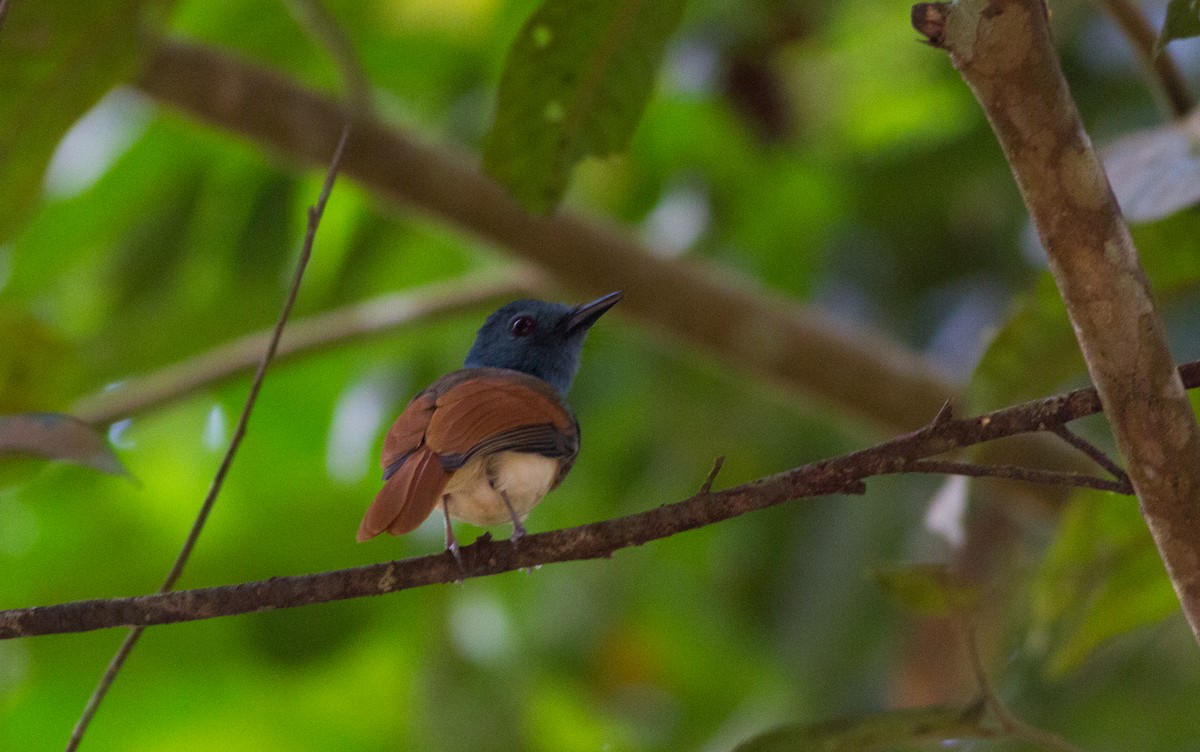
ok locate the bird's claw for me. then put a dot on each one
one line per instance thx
(452, 549)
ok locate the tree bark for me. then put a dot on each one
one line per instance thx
(1004, 52)
(841, 475)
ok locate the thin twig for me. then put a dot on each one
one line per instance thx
(1009, 723)
(706, 486)
(302, 336)
(1096, 454)
(314, 220)
(945, 414)
(3, 13)
(1012, 472)
(1159, 65)
(592, 541)
(315, 18)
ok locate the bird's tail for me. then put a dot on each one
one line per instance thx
(407, 497)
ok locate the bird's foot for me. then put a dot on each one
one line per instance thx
(451, 540)
(452, 549)
(519, 531)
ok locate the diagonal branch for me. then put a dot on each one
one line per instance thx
(1094, 452)
(737, 320)
(1004, 52)
(597, 540)
(340, 326)
(1013, 472)
(118, 661)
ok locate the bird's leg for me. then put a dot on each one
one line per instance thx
(518, 528)
(451, 541)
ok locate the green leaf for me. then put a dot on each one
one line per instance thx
(927, 589)
(57, 437)
(575, 84)
(1102, 577)
(872, 733)
(60, 58)
(1035, 354)
(37, 365)
(1168, 252)
(1183, 21)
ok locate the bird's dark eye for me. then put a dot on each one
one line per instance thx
(522, 326)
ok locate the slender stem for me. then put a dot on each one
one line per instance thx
(1158, 64)
(3, 13)
(1009, 723)
(1094, 452)
(315, 17)
(706, 487)
(314, 220)
(118, 661)
(313, 333)
(1012, 472)
(596, 540)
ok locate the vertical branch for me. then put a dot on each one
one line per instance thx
(1004, 52)
(118, 661)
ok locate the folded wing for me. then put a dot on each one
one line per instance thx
(468, 412)
(496, 410)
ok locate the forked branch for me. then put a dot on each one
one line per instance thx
(597, 540)
(1004, 52)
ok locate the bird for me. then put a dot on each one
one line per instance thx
(487, 442)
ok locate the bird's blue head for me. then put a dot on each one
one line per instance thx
(539, 338)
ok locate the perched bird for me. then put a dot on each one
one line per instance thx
(488, 441)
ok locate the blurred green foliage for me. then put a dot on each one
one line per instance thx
(575, 84)
(59, 62)
(813, 147)
(1102, 577)
(928, 589)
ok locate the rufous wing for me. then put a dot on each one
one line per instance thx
(492, 403)
(408, 432)
(408, 496)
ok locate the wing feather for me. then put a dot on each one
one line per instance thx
(408, 496)
(545, 440)
(408, 432)
(492, 403)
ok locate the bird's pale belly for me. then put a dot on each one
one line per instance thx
(473, 492)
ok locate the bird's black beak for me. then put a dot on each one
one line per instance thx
(585, 315)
